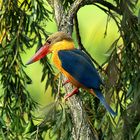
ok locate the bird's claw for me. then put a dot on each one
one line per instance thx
(66, 82)
(75, 91)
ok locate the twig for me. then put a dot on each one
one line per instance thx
(59, 87)
(2, 37)
(81, 46)
(37, 130)
(94, 61)
(105, 4)
(80, 3)
(106, 27)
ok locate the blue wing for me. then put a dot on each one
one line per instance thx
(84, 55)
(77, 64)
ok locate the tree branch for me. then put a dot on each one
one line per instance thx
(74, 8)
(108, 5)
(80, 3)
(58, 10)
(81, 46)
(82, 129)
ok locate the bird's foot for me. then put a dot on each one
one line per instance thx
(66, 82)
(75, 91)
(91, 91)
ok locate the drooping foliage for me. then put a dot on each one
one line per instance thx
(22, 26)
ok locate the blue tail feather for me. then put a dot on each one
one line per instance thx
(103, 101)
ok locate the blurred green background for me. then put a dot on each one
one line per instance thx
(92, 24)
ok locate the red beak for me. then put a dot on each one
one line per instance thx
(43, 51)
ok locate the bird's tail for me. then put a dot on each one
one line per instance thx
(103, 101)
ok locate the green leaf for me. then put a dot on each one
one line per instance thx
(139, 17)
(137, 129)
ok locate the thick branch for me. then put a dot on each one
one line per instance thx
(82, 129)
(58, 10)
(74, 8)
(67, 22)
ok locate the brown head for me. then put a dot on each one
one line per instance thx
(55, 42)
(57, 37)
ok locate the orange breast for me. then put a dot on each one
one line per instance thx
(58, 64)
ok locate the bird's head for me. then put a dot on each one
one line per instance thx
(55, 42)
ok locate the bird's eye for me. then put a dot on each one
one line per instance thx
(49, 41)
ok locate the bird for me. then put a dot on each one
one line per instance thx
(74, 64)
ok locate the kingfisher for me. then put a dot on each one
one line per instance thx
(73, 64)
